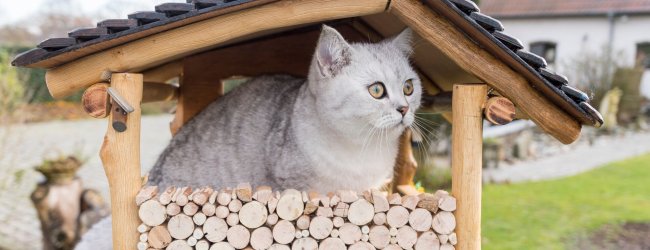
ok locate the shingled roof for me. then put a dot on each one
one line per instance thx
(490, 33)
(483, 29)
(536, 8)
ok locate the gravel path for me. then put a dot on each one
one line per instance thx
(26, 146)
(580, 159)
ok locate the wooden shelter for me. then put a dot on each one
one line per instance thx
(458, 50)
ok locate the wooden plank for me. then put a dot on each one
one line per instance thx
(120, 154)
(472, 58)
(201, 36)
(466, 162)
(198, 88)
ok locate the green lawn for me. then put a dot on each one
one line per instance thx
(543, 215)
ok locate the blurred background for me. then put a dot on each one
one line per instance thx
(538, 193)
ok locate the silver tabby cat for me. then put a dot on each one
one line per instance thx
(339, 129)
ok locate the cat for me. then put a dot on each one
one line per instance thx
(337, 129)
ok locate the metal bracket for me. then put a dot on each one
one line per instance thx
(120, 109)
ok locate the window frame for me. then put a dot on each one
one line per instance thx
(643, 48)
(545, 47)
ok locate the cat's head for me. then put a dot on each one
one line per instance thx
(360, 86)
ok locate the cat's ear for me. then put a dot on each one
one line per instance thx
(332, 52)
(403, 41)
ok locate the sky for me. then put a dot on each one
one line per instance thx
(12, 11)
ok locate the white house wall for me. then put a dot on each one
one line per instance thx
(574, 35)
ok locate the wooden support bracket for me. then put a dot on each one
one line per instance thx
(96, 102)
(467, 160)
(120, 154)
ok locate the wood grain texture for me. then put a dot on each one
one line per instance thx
(120, 155)
(499, 110)
(405, 165)
(94, 100)
(362, 228)
(159, 92)
(472, 58)
(198, 88)
(466, 161)
(201, 36)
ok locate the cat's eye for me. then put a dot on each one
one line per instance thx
(408, 87)
(377, 90)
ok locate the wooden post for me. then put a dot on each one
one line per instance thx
(405, 166)
(466, 161)
(120, 154)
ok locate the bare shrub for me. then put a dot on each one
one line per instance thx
(593, 71)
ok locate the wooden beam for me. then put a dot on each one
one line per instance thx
(467, 162)
(201, 36)
(95, 100)
(437, 104)
(159, 92)
(475, 60)
(163, 73)
(405, 166)
(198, 88)
(120, 155)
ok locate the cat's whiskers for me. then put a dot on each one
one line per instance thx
(366, 142)
(375, 129)
(381, 126)
(425, 128)
(416, 129)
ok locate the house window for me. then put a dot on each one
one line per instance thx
(544, 49)
(643, 54)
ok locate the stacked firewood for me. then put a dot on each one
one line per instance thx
(243, 218)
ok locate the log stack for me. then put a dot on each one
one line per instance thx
(246, 218)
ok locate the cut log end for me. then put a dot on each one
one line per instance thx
(227, 219)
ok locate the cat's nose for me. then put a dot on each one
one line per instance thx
(403, 110)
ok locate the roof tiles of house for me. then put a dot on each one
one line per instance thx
(463, 13)
(528, 8)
